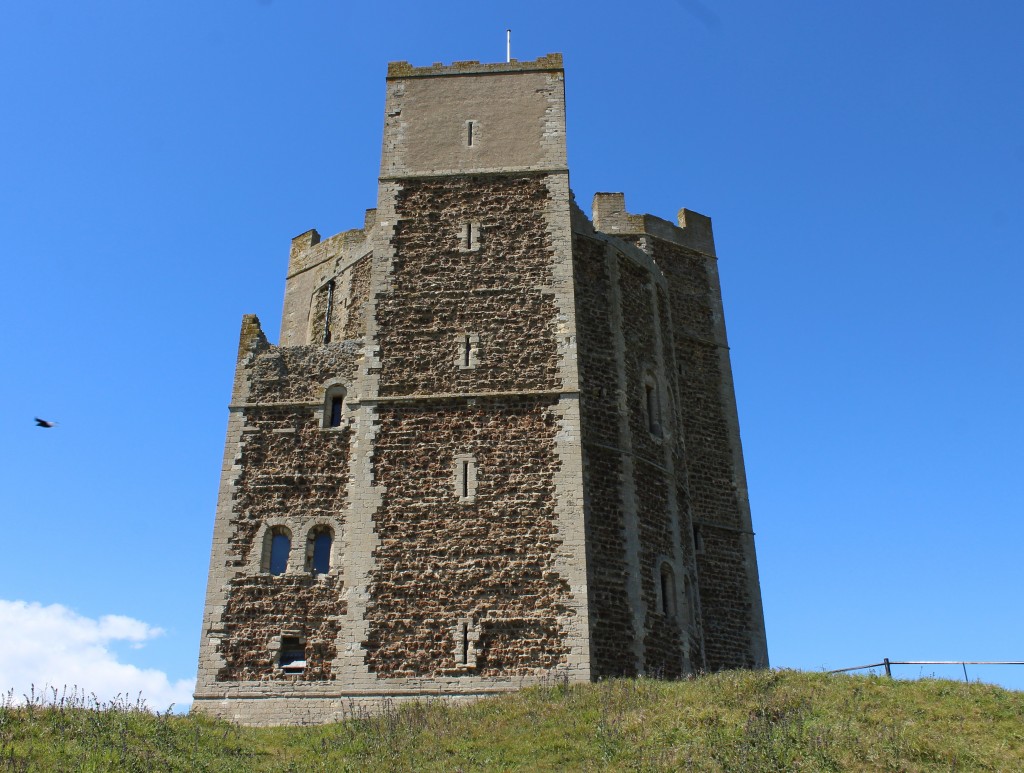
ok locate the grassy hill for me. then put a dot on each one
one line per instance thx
(737, 721)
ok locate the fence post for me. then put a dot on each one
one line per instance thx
(888, 671)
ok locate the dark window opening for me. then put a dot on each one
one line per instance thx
(467, 350)
(653, 425)
(330, 309)
(293, 655)
(280, 547)
(698, 540)
(469, 133)
(667, 591)
(465, 478)
(469, 236)
(336, 405)
(320, 561)
(465, 643)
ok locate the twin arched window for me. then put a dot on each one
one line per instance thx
(277, 547)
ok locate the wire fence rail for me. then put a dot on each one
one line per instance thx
(887, 664)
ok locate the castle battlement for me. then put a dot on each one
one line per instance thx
(693, 229)
(549, 62)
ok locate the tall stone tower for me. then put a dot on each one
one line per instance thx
(496, 443)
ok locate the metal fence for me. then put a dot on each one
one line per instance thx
(887, 664)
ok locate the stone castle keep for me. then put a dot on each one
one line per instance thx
(497, 442)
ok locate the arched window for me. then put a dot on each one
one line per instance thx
(277, 544)
(334, 407)
(318, 550)
(668, 591)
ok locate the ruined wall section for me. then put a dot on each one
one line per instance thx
(338, 306)
(312, 264)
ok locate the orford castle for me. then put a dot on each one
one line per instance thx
(496, 443)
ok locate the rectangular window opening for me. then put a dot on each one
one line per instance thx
(465, 643)
(469, 236)
(467, 351)
(469, 134)
(336, 404)
(465, 479)
(293, 655)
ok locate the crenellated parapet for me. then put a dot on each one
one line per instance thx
(693, 229)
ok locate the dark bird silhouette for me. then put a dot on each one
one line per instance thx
(44, 423)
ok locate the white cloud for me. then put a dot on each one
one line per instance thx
(54, 646)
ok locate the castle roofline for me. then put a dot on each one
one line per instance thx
(548, 62)
(610, 216)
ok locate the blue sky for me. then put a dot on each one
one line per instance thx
(864, 166)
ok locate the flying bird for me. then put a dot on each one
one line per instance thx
(44, 423)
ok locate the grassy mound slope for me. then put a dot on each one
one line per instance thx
(736, 721)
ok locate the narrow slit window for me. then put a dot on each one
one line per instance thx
(465, 478)
(698, 540)
(467, 353)
(336, 405)
(469, 236)
(469, 133)
(667, 591)
(653, 411)
(465, 643)
(330, 310)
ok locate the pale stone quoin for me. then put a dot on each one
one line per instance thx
(497, 441)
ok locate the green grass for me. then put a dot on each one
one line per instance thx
(734, 721)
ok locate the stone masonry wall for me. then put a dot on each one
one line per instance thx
(260, 607)
(724, 590)
(441, 291)
(357, 299)
(611, 613)
(292, 472)
(472, 258)
(347, 304)
(663, 654)
(489, 561)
